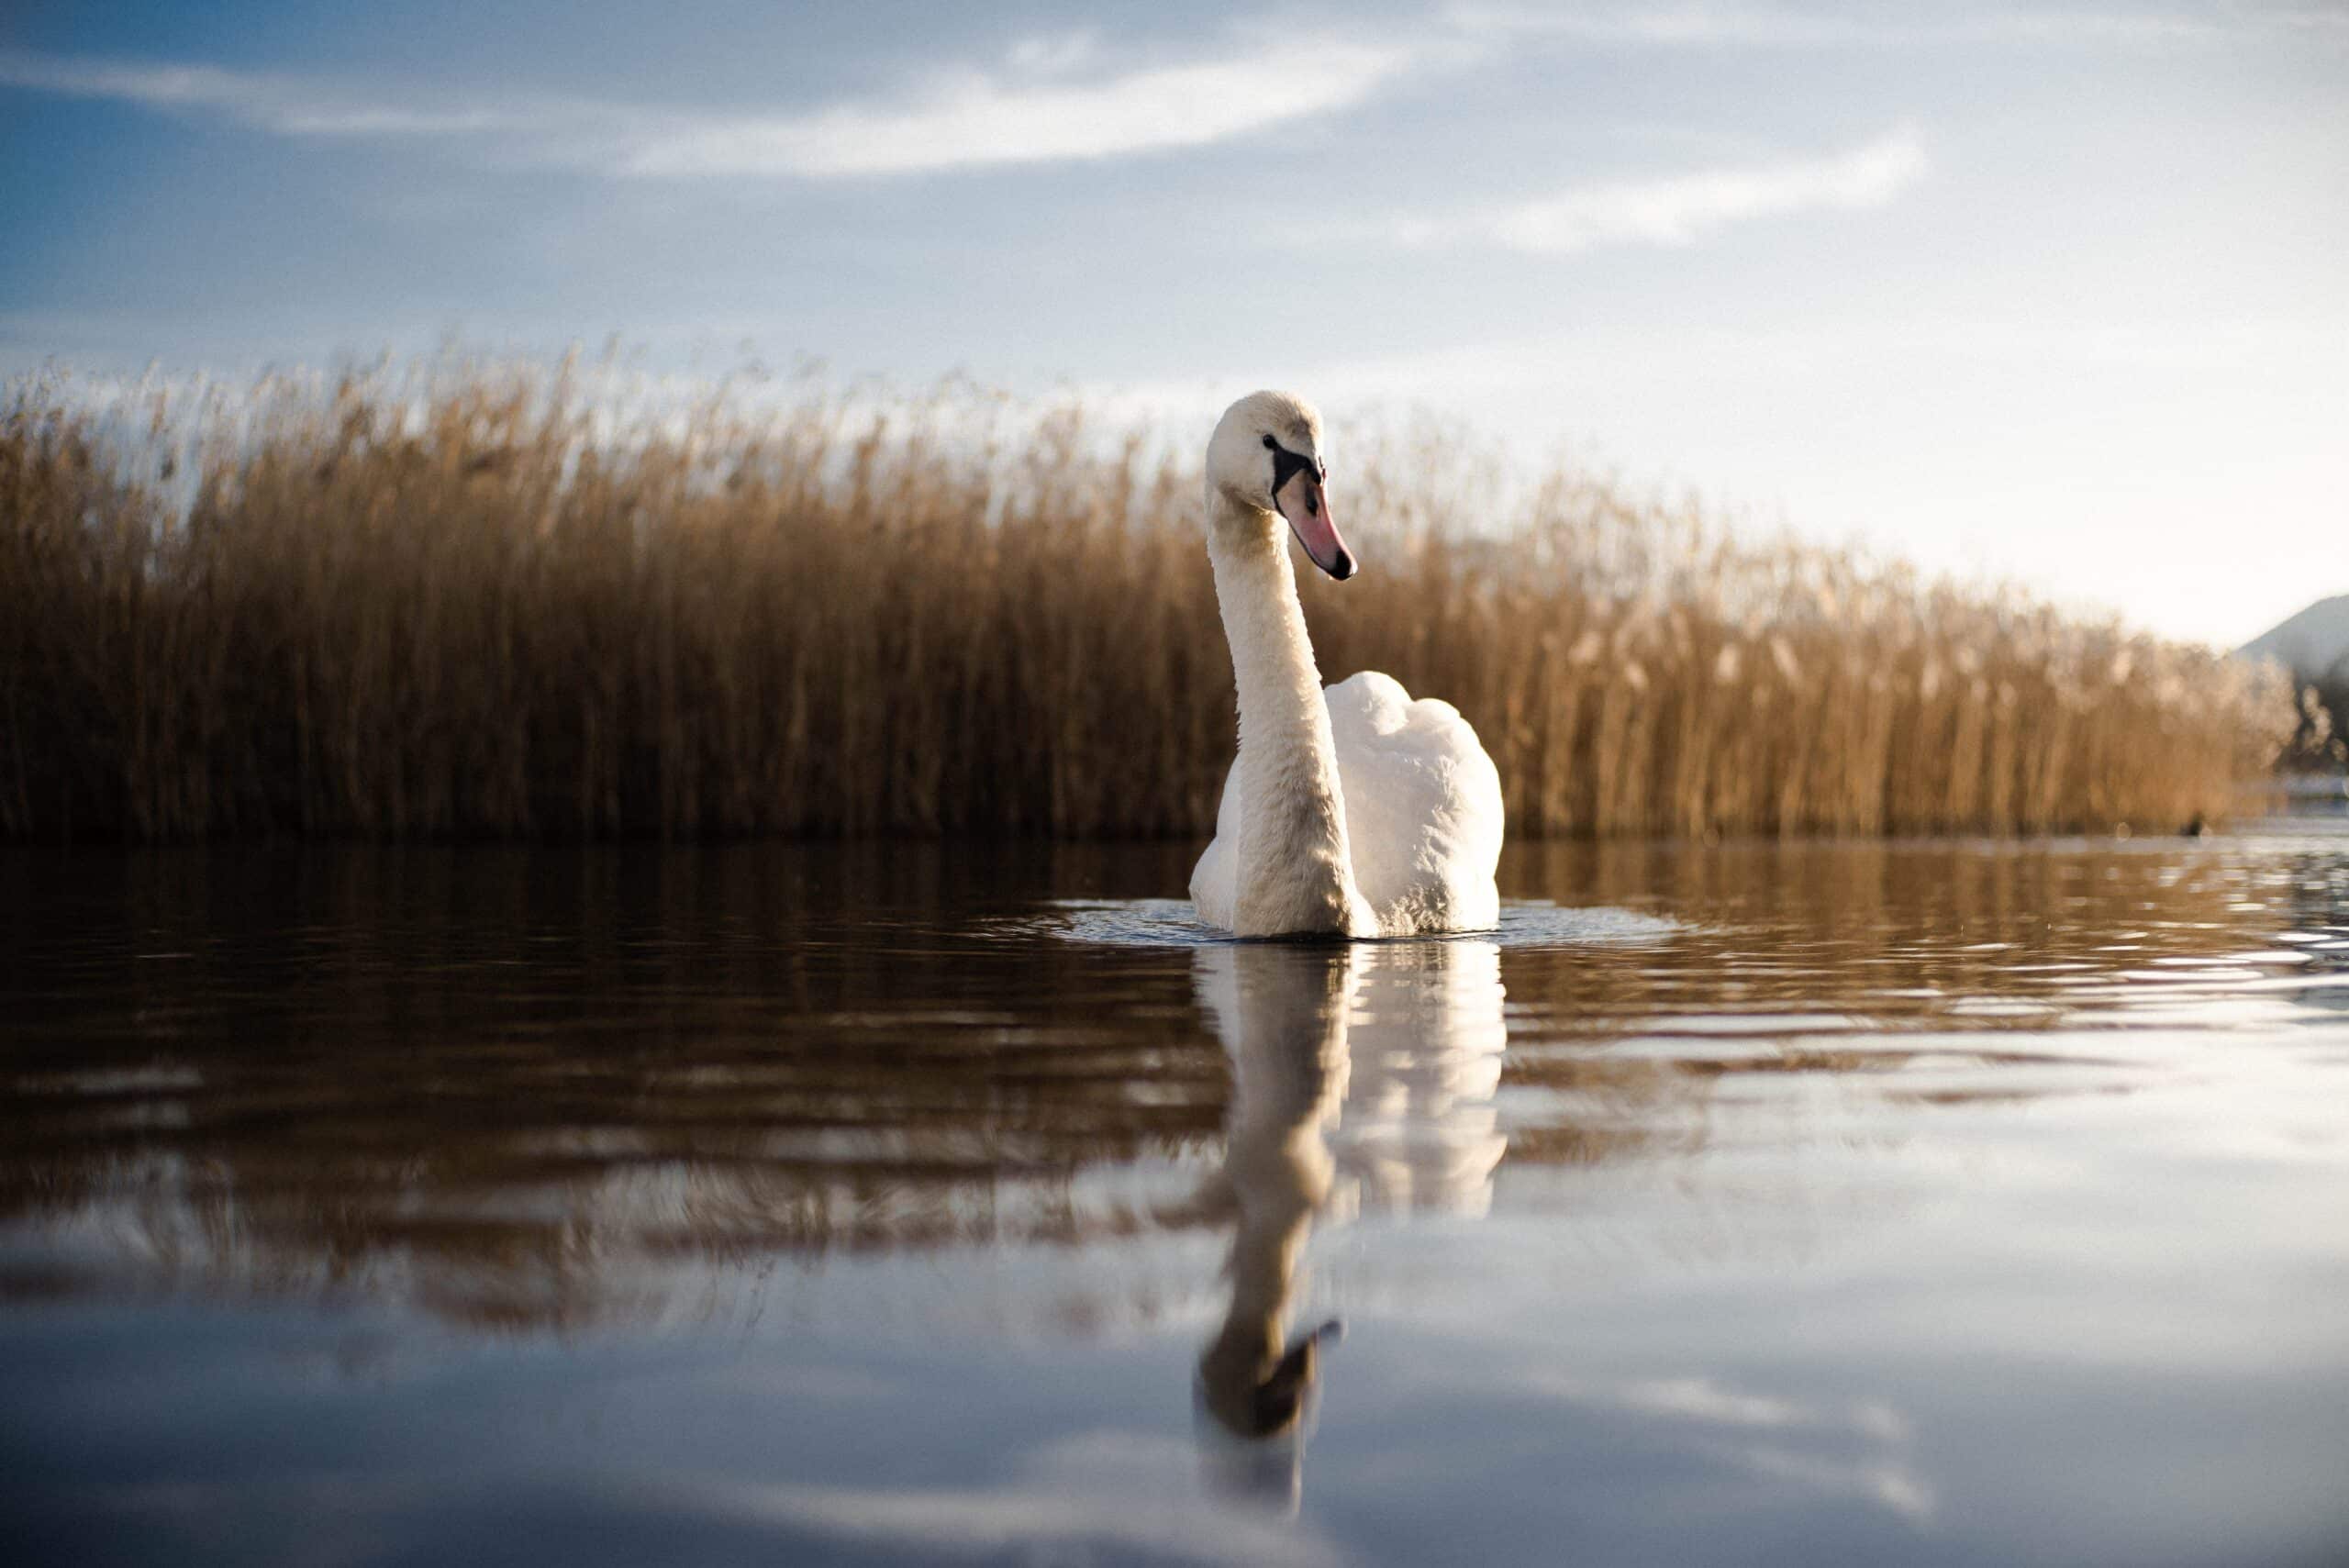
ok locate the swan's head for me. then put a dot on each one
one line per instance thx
(1266, 457)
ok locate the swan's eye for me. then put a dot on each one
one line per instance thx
(1287, 463)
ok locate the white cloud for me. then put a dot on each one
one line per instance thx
(977, 118)
(1055, 53)
(1786, 26)
(1051, 103)
(1658, 25)
(1678, 208)
(268, 103)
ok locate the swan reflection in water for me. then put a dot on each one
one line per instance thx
(1362, 1078)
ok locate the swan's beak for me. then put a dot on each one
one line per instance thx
(1305, 505)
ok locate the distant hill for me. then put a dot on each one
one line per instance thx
(2311, 642)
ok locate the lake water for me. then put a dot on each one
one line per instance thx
(1933, 1204)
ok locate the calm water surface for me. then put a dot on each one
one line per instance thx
(1913, 1204)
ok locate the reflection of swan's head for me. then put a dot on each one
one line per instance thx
(1265, 1401)
(1265, 457)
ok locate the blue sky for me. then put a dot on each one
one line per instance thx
(2049, 293)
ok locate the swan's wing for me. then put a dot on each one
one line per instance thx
(1215, 884)
(1423, 806)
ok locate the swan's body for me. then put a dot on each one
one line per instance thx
(1357, 812)
(1422, 814)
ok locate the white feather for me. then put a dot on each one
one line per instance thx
(1422, 807)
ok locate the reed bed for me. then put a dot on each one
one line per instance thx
(482, 600)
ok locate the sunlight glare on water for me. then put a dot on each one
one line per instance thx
(1950, 1202)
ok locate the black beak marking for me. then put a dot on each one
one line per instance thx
(1285, 464)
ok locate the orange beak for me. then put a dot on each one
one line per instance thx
(1307, 508)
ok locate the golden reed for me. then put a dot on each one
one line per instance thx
(470, 601)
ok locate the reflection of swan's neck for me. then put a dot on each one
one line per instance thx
(1287, 1038)
(1294, 869)
(1279, 1164)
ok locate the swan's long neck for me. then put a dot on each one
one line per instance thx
(1295, 868)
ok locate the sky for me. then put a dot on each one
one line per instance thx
(2044, 295)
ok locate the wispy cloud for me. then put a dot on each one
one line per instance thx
(977, 118)
(1791, 26)
(1052, 101)
(1671, 26)
(1677, 209)
(277, 103)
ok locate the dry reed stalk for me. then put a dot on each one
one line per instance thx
(472, 602)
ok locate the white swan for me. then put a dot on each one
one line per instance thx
(1356, 812)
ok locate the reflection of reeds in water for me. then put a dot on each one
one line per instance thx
(472, 604)
(517, 1087)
